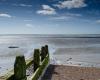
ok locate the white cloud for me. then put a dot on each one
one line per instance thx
(5, 15)
(60, 18)
(27, 20)
(29, 25)
(71, 4)
(22, 5)
(67, 16)
(25, 5)
(46, 10)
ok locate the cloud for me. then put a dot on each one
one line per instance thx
(57, 18)
(27, 20)
(66, 16)
(71, 4)
(73, 14)
(46, 10)
(29, 25)
(23, 5)
(97, 21)
(5, 15)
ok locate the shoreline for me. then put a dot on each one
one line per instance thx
(71, 62)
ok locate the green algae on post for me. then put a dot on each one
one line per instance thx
(20, 68)
(36, 57)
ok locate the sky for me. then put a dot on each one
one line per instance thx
(49, 16)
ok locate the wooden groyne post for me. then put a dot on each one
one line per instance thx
(20, 68)
(36, 58)
(44, 52)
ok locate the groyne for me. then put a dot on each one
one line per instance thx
(30, 69)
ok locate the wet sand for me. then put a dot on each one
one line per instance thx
(62, 72)
(77, 56)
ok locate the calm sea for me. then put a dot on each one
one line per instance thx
(64, 49)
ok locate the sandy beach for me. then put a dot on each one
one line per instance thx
(62, 72)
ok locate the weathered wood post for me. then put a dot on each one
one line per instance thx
(36, 59)
(20, 68)
(43, 53)
(46, 49)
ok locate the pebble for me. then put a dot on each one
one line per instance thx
(30, 70)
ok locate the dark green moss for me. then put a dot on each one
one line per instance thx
(20, 68)
(36, 59)
(43, 53)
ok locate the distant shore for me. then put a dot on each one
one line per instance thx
(62, 72)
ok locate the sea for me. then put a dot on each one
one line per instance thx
(64, 49)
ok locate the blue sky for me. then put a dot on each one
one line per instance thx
(49, 16)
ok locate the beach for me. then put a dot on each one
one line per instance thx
(62, 72)
(71, 50)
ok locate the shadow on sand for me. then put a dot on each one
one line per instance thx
(49, 72)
